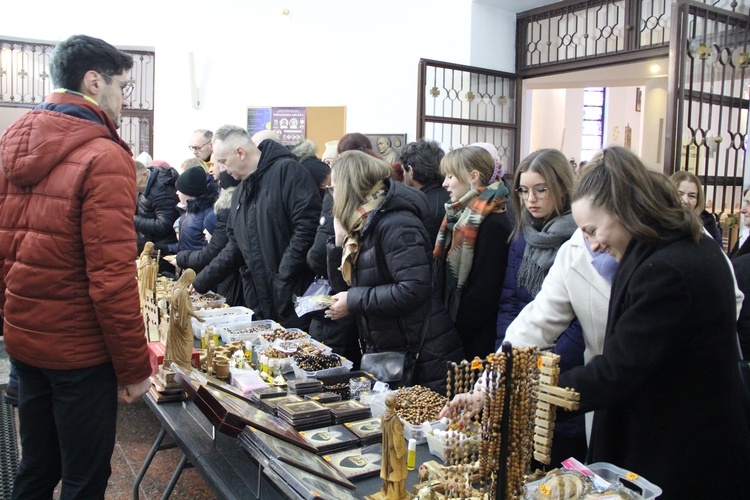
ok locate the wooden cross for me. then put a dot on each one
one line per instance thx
(549, 396)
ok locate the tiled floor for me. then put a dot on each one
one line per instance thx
(137, 428)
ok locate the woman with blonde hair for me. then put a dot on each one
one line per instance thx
(666, 391)
(691, 192)
(471, 252)
(380, 255)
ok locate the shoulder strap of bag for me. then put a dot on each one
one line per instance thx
(382, 265)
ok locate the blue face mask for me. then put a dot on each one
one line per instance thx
(604, 263)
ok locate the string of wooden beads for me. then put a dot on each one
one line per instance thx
(521, 424)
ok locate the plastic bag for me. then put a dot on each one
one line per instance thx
(317, 297)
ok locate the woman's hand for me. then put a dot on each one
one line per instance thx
(339, 309)
(340, 232)
(463, 406)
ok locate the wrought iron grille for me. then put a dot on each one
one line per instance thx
(25, 82)
(710, 101)
(461, 105)
(582, 32)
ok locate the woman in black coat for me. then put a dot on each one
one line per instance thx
(666, 391)
(471, 252)
(381, 255)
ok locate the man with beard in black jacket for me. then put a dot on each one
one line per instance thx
(156, 209)
(272, 223)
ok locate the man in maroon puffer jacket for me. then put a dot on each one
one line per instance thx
(69, 297)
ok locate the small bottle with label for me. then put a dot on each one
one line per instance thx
(411, 455)
(203, 339)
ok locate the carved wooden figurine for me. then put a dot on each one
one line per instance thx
(179, 348)
(393, 468)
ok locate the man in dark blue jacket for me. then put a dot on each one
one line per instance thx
(271, 226)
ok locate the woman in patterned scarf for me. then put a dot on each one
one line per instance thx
(471, 251)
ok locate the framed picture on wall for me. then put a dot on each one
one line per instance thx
(388, 146)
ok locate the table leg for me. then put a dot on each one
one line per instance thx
(175, 477)
(154, 449)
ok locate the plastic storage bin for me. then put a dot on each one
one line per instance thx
(228, 331)
(346, 366)
(418, 431)
(437, 445)
(614, 474)
(219, 318)
(223, 311)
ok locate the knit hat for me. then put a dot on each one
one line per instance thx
(144, 158)
(331, 150)
(226, 181)
(317, 169)
(192, 182)
(492, 150)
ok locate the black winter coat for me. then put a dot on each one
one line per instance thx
(709, 222)
(198, 217)
(156, 210)
(392, 284)
(437, 197)
(231, 288)
(340, 335)
(666, 391)
(742, 273)
(271, 226)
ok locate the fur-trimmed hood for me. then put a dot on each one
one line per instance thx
(304, 150)
(225, 199)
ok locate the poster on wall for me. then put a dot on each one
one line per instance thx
(258, 119)
(288, 123)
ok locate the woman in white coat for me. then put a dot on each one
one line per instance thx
(577, 286)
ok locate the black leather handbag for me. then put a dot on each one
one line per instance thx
(395, 367)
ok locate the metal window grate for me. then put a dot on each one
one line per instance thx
(25, 82)
(461, 105)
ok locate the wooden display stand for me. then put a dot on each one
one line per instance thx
(519, 408)
(549, 396)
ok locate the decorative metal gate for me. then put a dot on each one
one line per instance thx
(460, 105)
(709, 78)
(25, 82)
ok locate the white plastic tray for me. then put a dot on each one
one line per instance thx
(227, 330)
(346, 366)
(215, 318)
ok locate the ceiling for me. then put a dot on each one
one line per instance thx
(517, 6)
(619, 75)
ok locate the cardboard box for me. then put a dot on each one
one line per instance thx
(156, 356)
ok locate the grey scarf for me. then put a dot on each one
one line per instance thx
(541, 249)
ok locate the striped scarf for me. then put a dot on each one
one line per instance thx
(357, 221)
(454, 247)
